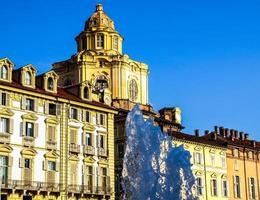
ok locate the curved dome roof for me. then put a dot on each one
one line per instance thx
(99, 20)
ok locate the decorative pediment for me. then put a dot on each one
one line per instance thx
(89, 159)
(51, 74)
(224, 176)
(28, 152)
(73, 158)
(6, 61)
(5, 149)
(222, 153)
(212, 151)
(52, 121)
(198, 148)
(88, 127)
(198, 173)
(30, 116)
(51, 154)
(6, 112)
(30, 68)
(213, 175)
(186, 146)
(103, 162)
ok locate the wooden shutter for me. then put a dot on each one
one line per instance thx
(73, 136)
(83, 138)
(45, 165)
(23, 103)
(79, 114)
(21, 162)
(36, 129)
(46, 108)
(50, 176)
(36, 105)
(57, 166)
(7, 99)
(0, 98)
(11, 125)
(58, 109)
(22, 129)
(51, 133)
(97, 118)
(10, 164)
(83, 115)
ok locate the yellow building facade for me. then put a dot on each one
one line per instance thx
(53, 144)
(208, 165)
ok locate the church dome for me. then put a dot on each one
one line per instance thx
(99, 20)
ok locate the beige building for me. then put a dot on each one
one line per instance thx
(54, 143)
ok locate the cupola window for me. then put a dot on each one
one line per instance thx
(84, 42)
(28, 78)
(100, 41)
(115, 43)
(50, 84)
(86, 93)
(4, 72)
(133, 90)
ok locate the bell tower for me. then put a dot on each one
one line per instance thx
(101, 64)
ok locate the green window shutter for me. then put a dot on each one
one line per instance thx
(36, 129)
(11, 125)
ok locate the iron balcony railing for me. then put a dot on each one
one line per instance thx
(51, 145)
(30, 185)
(102, 152)
(75, 148)
(28, 141)
(90, 150)
(4, 138)
(54, 187)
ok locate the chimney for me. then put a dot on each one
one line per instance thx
(253, 143)
(246, 136)
(231, 133)
(242, 136)
(227, 132)
(216, 129)
(222, 131)
(197, 132)
(206, 132)
(214, 135)
(236, 134)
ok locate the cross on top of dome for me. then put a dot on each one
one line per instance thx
(99, 20)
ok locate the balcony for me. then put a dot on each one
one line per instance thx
(103, 190)
(30, 185)
(5, 138)
(89, 150)
(74, 188)
(74, 148)
(28, 141)
(102, 152)
(51, 145)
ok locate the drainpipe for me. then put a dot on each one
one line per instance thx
(205, 172)
(256, 162)
(245, 173)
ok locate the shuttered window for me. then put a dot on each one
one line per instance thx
(73, 136)
(51, 133)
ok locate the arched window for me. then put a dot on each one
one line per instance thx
(50, 83)
(4, 72)
(101, 83)
(67, 82)
(100, 40)
(133, 90)
(86, 93)
(28, 78)
(84, 42)
(115, 43)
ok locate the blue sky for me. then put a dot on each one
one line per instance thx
(204, 56)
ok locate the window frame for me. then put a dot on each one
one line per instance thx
(27, 132)
(30, 104)
(100, 44)
(214, 187)
(28, 79)
(4, 75)
(199, 188)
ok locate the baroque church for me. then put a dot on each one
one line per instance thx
(62, 133)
